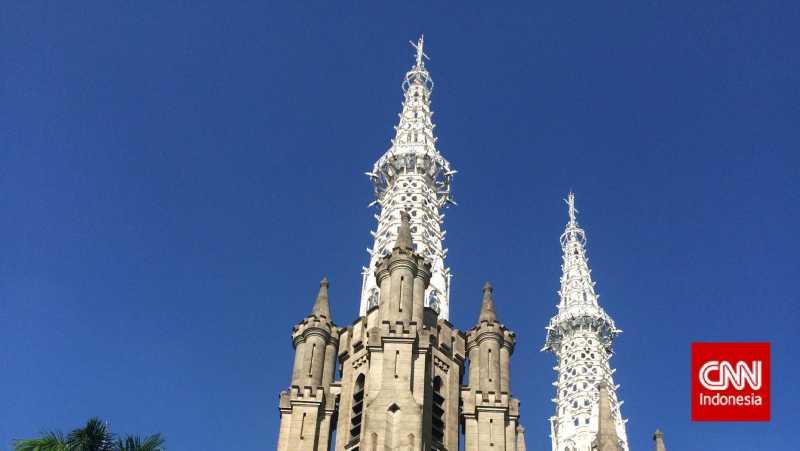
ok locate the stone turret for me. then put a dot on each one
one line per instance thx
(315, 341)
(308, 407)
(488, 368)
(401, 368)
(491, 415)
(403, 277)
(658, 441)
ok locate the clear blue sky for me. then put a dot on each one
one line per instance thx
(176, 178)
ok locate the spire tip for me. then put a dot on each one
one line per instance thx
(573, 212)
(488, 311)
(420, 48)
(321, 305)
(404, 240)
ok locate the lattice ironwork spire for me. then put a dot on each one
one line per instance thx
(577, 287)
(581, 335)
(412, 176)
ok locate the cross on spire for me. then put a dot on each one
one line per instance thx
(573, 212)
(419, 46)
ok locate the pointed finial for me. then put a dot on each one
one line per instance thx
(418, 75)
(573, 212)
(658, 438)
(321, 306)
(420, 48)
(404, 240)
(606, 439)
(488, 311)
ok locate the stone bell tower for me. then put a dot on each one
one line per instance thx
(401, 366)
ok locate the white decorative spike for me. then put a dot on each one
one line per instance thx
(412, 175)
(581, 335)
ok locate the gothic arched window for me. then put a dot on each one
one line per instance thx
(437, 423)
(357, 410)
(392, 437)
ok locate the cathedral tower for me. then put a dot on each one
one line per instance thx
(401, 361)
(581, 335)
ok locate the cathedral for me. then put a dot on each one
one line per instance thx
(401, 376)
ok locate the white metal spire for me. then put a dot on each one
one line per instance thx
(412, 175)
(577, 288)
(581, 335)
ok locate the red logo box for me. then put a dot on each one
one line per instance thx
(730, 382)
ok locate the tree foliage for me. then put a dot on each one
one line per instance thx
(94, 436)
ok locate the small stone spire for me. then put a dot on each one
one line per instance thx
(404, 232)
(607, 439)
(321, 306)
(488, 312)
(521, 439)
(658, 438)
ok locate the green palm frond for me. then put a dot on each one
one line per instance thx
(52, 441)
(95, 436)
(134, 443)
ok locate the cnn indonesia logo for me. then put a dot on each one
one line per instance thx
(730, 382)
